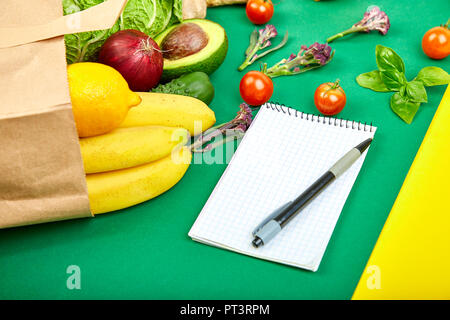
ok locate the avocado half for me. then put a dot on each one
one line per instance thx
(207, 59)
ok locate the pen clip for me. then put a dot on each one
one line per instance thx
(271, 216)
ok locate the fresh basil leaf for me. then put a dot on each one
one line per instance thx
(404, 108)
(433, 76)
(372, 80)
(393, 79)
(415, 90)
(402, 91)
(388, 59)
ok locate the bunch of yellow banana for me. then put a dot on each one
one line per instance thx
(146, 155)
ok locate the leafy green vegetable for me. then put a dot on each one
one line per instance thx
(415, 90)
(393, 79)
(391, 67)
(372, 80)
(433, 76)
(195, 84)
(404, 108)
(148, 16)
(390, 76)
(388, 59)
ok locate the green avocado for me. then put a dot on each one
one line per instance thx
(207, 59)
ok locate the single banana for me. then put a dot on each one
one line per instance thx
(170, 110)
(130, 147)
(115, 190)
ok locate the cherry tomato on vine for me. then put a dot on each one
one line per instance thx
(259, 11)
(330, 98)
(436, 42)
(256, 88)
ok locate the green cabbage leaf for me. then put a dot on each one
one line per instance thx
(149, 16)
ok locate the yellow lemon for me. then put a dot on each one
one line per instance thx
(100, 97)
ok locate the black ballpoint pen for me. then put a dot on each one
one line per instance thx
(273, 224)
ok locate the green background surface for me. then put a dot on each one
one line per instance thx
(144, 251)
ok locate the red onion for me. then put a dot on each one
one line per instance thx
(136, 56)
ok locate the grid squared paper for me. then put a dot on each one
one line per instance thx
(282, 154)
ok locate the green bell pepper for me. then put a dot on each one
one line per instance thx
(195, 84)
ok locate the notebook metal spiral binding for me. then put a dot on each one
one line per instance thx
(356, 125)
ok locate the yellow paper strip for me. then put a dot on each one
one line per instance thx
(411, 259)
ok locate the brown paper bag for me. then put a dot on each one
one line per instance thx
(41, 172)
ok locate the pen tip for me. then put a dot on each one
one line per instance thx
(364, 145)
(257, 242)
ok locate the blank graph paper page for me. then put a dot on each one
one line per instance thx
(281, 155)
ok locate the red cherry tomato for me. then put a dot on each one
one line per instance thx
(330, 98)
(436, 42)
(259, 11)
(256, 88)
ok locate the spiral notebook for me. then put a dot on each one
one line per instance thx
(283, 152)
